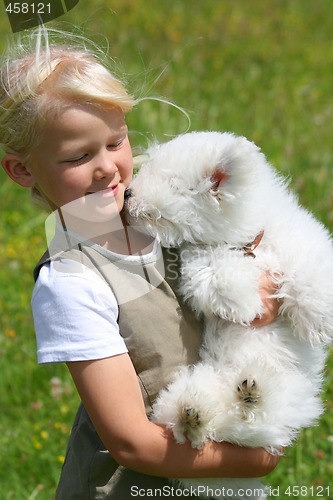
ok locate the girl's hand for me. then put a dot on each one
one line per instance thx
(267, 288)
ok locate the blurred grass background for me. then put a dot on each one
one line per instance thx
(262, 69)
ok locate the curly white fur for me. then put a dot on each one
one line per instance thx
(210, 194)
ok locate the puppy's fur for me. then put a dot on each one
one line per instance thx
(215, 196)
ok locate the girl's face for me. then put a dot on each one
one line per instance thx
(84, 155)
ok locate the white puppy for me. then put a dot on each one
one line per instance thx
(215, 196)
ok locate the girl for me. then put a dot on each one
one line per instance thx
(101, 302)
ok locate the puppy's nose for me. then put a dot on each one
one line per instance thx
(128, 193)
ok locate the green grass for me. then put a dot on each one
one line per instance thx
(261, 69)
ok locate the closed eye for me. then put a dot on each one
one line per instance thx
(116, 145)
(77, 161)
(85, 156)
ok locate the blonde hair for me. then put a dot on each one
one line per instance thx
(40, 79)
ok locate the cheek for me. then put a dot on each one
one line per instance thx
(126, 164)
(127, 172)
(74, 179)
(65, 188)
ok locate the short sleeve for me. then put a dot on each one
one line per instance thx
(75, 314)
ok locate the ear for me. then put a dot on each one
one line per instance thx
(15, 168)
(219, 177)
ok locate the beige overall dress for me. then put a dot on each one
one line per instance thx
(161, 335)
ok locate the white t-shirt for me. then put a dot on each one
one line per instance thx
(75, 313)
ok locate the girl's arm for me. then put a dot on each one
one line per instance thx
(111, 395)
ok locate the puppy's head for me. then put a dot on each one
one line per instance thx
(194, 188)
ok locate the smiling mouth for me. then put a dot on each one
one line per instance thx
(105, 192)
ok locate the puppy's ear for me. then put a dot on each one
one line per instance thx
(218, 178)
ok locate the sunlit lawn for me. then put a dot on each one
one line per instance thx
(261, 69)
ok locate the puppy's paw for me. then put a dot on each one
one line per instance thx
(189, 418)
(194, 423)
(222, 282)
(248, 391)
(193, 426)
(188, 405)
(179, 435)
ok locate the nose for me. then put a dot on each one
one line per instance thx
(105, 167)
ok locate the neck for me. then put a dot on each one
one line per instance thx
(114, 234)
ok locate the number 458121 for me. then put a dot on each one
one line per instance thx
(28, 8)
(303, 491)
